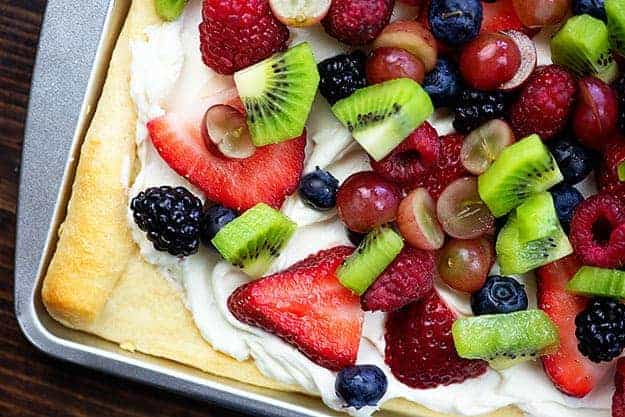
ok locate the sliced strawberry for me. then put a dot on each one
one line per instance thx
(500, 15)
(618, 399)
(570, 371)
(307, 307)
(268, 176)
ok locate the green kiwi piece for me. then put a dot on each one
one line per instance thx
(169, 10)
(522, 169)
(517, 257)
(592, 281)
(615, 9)
(537, 217)
(253, 240)
(278, 94)
(505, 339)
(378, 249)
(583, 46)
(381, 116)
(621, 172)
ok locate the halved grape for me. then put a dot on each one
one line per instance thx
(417, 222)
(482, 146)
(300, 13)
(226, 127)
(464, 264)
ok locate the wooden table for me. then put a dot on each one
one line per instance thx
(32, 384)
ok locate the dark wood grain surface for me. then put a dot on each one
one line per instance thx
(32, 384)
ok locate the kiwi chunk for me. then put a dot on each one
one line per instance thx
(381, 116)
(615, 10)
(583, 46)
(505, 339)
(621, 172)
(522, 169)
(278, 94)
(593, 281)
(537, 217)
(516, 256)
(378, 249)
(253, 240)
(169, 10)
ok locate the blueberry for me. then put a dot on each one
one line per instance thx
(213, 220)
(456, 21)
(499, 295)
(443, 83)
(592, 7)
(361, 385)
(575, 161)
(318, 189)
(565, 199)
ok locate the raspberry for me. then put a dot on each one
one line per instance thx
(617, 191)
(235, 34)
(614, 155)
(545, 103)
(357, 22)
(598, 231)
(413, 157)
(407, 279)
(618, 399)
(420, 349)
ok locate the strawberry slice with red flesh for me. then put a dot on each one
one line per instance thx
(268, 176)
(307, 307)
(618, 399)
(570, 371)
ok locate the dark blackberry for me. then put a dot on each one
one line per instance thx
(619, 86)
(170, 217)
(214, 219)
(341, 75)
(473, 108)
(601, 330)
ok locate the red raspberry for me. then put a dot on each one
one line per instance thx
(407, 279)
(618, 399)
(235, 34)
(545, 103)
(617, 191)
(413, 157)
(420, 348)
(598, 231)
(357, 22)
(614, 155)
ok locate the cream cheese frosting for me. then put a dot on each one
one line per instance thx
(167, 73)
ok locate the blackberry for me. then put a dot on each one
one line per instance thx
(341, 75)
(601, 330)
(473, 108)
(170, 217)
(619, 86)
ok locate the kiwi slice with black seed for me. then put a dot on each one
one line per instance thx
(615, 10)
(537, 217)
(505, 339)
(169, 10)
(253, 240)
(522, 169)
(278, 94)
(583, 46)
(598, 282)
(378, 249)
(381, 116)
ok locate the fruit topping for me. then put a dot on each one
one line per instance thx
(598, 231)
(592, 281)
(499, 295)
(464, 264)
(545, 103)
(382, 115)
(411, 36)
(448, 167)
(361, 385)
(374, 254)
(575, 161)
(455, 21)
(300, 13)
(615, 11)
(596, 112)
(409, 278)
(355, 237)
(618, 399)
(621, 171)
(474, 108)
(541, 13)
(170, 217)
(500, 15)
(462, 213)
(417, 221)
(357, 22)
(529, 58)
(341, 75)
(619, 88)
(537, 217)
(482, 146)
(318, 189)
(601, 330)
(365, 201)
(414, 157)
(226, 128)
(613, 157)
(390, 63)
(278, 94)
(582, 46)
(489, 61)
(307, 307)
(522, 169)
(236, 34)
(505, 339)
(443, 83)
(594, 8)
(253, 240)
(420, 349)
(169, 10)
(566, 199)
(214, 218)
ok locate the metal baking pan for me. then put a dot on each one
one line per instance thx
(75, 47)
